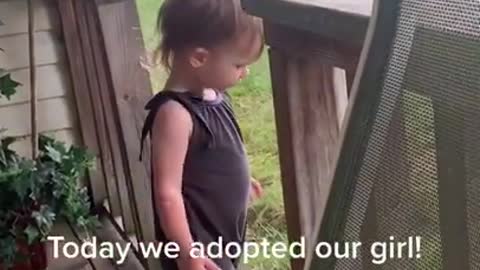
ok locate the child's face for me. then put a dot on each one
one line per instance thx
(228, 64)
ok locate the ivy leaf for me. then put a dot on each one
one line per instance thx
(23, 184)
(3, 72)
(7, 86)
(3, 158)
(32, 234)
(44, 218)
(54, 154)
(44, 141)
(7, 141)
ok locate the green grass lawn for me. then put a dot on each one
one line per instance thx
(254, 108)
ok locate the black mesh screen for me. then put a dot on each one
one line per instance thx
(420, 175)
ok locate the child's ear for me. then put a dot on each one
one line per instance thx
(198, 57)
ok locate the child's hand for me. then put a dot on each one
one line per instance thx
(256, 190)
(197, 264)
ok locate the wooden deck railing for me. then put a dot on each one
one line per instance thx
(314, 47)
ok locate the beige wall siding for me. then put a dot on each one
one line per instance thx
(48, 50)
(52, 80)
(13, 14)
(53, 114)
(57, 114)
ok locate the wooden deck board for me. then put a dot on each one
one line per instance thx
(107, 233)
(62, 229)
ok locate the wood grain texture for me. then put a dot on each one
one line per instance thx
(62, 262)
(358, 7)
(278, 66)
(82, 97)
(112, 131)
(310, 97)
(13, 14)
(306, 100)
(110, 232)
(340, 20)
(131, 89)
(354, 135)
(98, 112)
(301, 43)
(315, 129)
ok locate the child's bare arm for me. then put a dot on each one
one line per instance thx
(170, 136)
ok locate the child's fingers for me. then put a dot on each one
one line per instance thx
(210, 265)
(257, 189)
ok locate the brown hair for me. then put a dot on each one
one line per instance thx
(204, 23)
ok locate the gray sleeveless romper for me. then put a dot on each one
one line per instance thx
(216, 176)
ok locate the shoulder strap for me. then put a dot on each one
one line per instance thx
(154, 104)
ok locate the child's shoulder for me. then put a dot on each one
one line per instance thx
(168, 110)
(161, 98)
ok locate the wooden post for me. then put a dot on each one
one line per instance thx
(310, 98)
(314, 51)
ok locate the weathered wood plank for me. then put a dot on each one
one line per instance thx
(82, 97)
(48, 50)
(98, 111)
(341, 93)
(353, 137)
(301, 43)
(124, 45)
(356, 8)
(99, 263)
(306, 92)
(278, 66)
(110, 116)
(110, 232)
(53, 114)
(350, 74)
(61, 262)
(52, 81)
(345, 20)
(314, 88)
(312, 99)
(13, 14)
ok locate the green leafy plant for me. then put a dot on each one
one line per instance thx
(35, 193)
